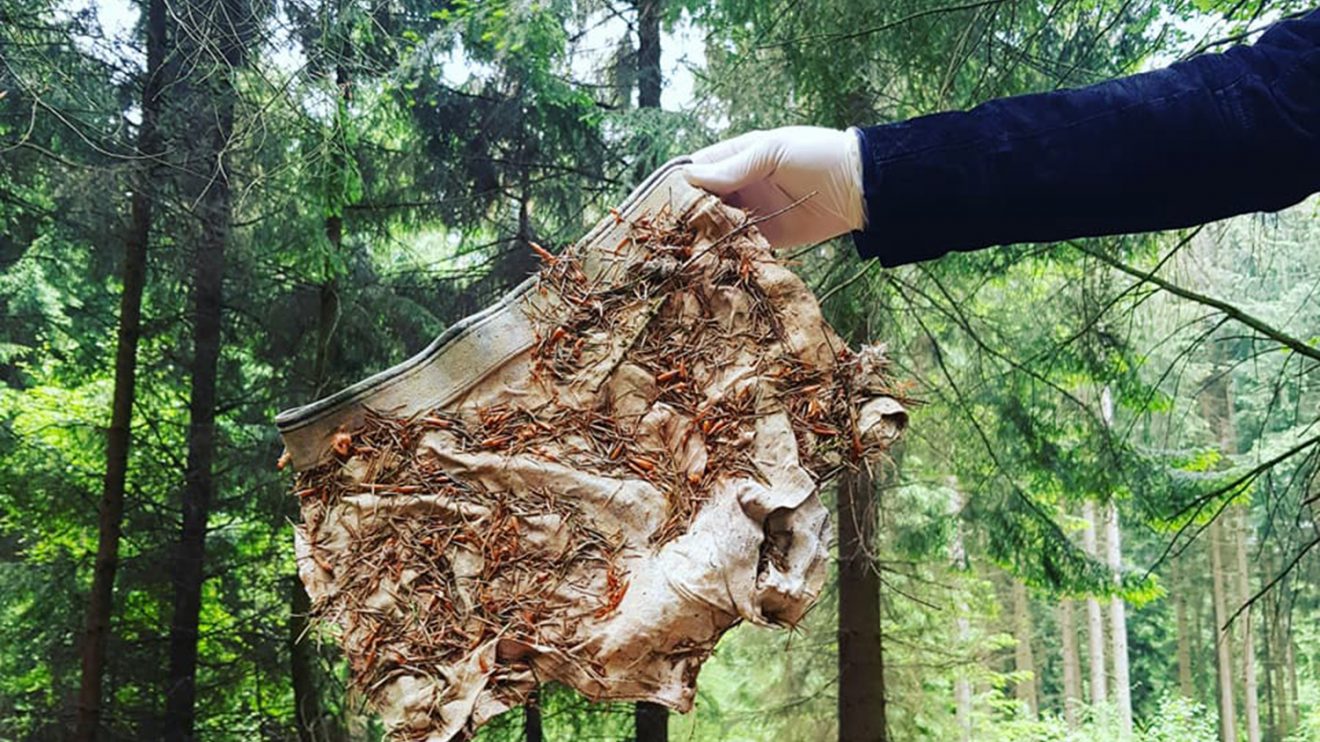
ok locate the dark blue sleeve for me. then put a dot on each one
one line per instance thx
(1217, 135)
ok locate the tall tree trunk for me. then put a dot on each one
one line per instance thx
(216, 30)
(1223, 648)
(648, 718)
(1117, 610)
(327, 313)
(651, 720)
(312, 719)
(1267, 659)
(1291, 713)
(119, 437)
(302, 666)
(1024, 659)
(1184, 637)
(1217, 408)
(532, 718)
(648, 53)
(962, 685)
(514, 265)
(1095, 622)
(1274, 684)
(1118, 625)
(1198, 634)
(199, 486)
(1072, 666)
(861, 650)
(1250, 697)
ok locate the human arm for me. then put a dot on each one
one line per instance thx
(1217, 135)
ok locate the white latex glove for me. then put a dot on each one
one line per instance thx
(765, 171)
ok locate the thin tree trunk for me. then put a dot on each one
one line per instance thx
(216, 25)
(532, 718)
(1072, 666)
(1095, 622)
(1236, 530)
(962, 685)
(1223, 648)
(1184, 638)
(1291, 712)
(1198, 634)
(1267, 659)
(327, 314)
(651, 720)
(1118, 625)
(1251, 700)
(302, 666)
(1274, 689)
(1117, 609)
(1024, 660)
(119, 437)
(861, 650)
(1217, 409)
(1280, 630)
(199, 486)
(649, 78)
(309, 713)
(310, 716)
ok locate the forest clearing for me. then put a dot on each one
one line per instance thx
(379, 369)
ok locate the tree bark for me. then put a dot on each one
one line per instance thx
(1201, 596)
(1274, 685)
(532, 718)
(651, 722)
(1118, 625)
(1185, 686)
(1268, 660)
(309, 714)
(199, 485)
(649, 79)
(1217, 409)
(1223, 648)
(1291, 713)
(1024, 660)
(1250, 696)
(119, 437)
(302, 666)
(861, 649)
(1095, 622)
(1072, 666)
(218, 28)
(513, 266)
(327, 313)
(962, 685)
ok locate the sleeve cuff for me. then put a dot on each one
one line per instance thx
(866, 240)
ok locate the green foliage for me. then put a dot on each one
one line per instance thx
(1180, 719)
(1177, 719)
(392, 160)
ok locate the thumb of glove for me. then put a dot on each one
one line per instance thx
(733, 173)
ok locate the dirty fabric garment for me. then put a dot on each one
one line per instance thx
(590, 482)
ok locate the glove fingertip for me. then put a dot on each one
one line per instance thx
(700, 176)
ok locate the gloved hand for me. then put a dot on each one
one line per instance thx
(765, 171)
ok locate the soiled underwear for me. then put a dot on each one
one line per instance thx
(592, 480)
